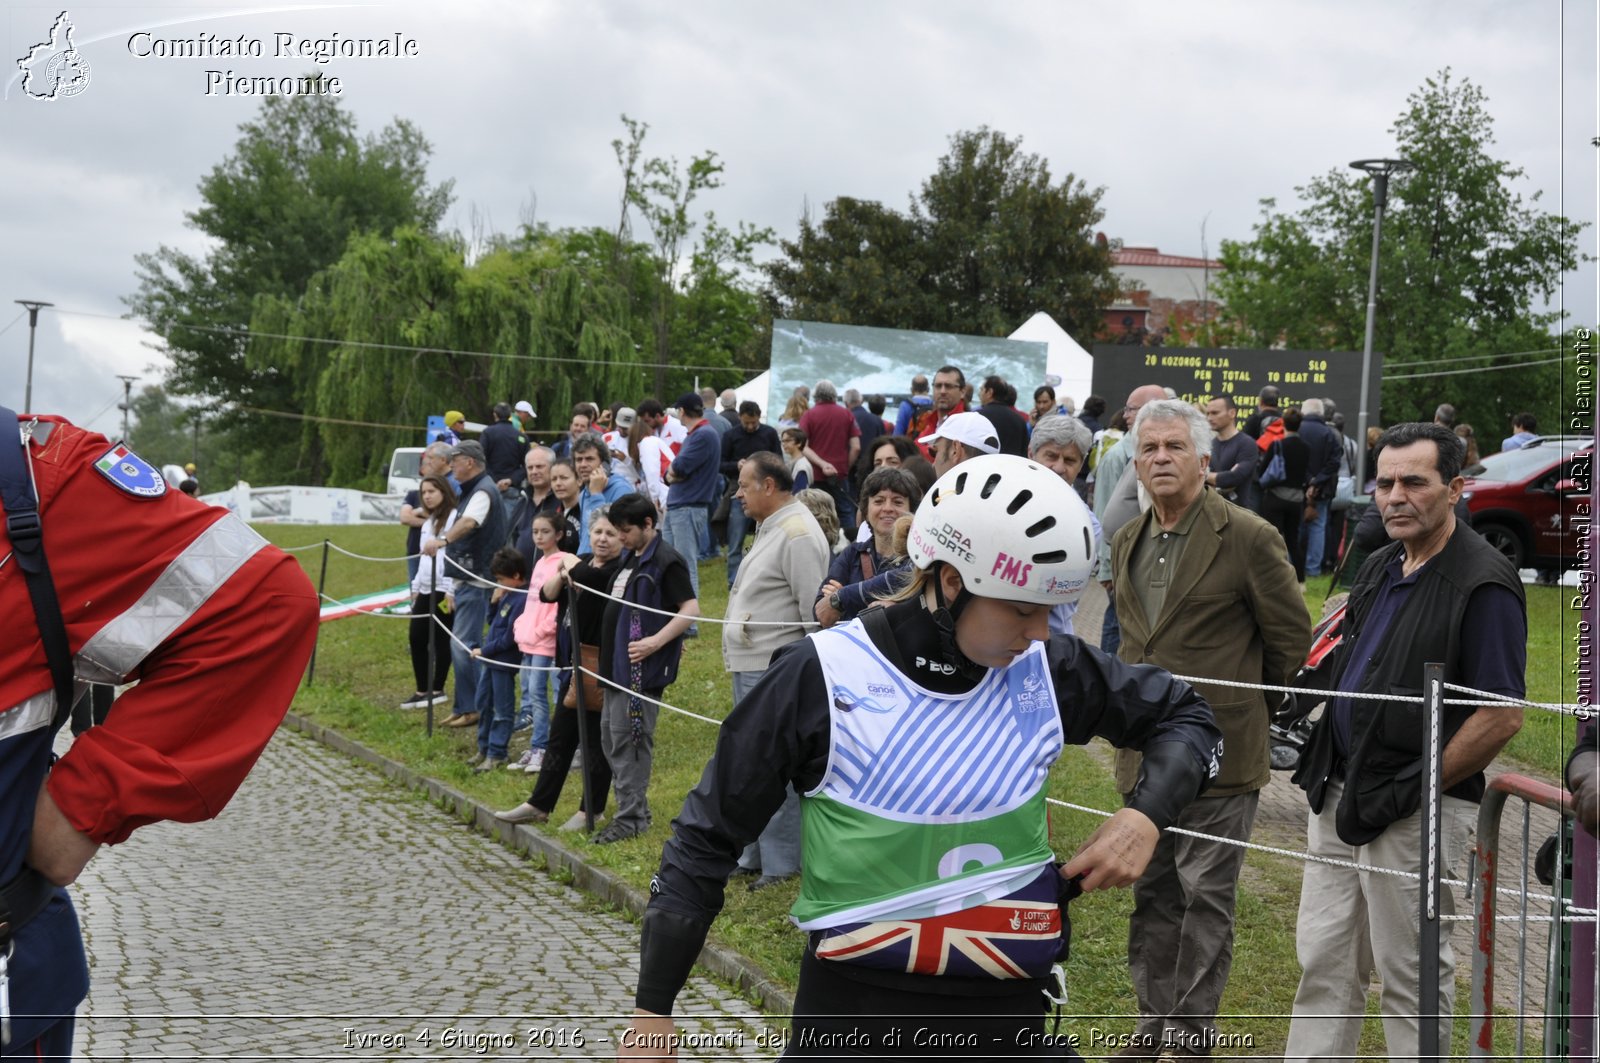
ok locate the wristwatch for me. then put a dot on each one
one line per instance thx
(834, 603)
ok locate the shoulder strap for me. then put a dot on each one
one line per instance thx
(27, 545)
(867, 570)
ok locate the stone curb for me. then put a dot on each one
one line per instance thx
(720, 960)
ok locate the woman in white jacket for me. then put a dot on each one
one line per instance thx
(430, 597)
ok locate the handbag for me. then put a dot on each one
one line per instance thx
(1275, 473)
(589, 659)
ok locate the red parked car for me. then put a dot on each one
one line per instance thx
(1527, 501)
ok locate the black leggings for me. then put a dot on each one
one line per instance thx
(1286, 517)
(558, 758)
(422, 626)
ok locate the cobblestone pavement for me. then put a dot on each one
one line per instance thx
(1281, 822)
(328, 914)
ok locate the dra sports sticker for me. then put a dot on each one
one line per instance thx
(131, 473)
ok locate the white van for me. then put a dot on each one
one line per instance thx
(405, 470)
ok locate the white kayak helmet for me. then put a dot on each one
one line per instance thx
(1012, 528)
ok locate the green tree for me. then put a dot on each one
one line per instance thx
(300, 182)
(990, 239)
(862, 264)
(693, 317)
(1464, 265)
(163, 431)
(422, 330)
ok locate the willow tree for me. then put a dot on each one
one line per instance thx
(420, 330)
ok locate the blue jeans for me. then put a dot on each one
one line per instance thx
(1111, 633)
(472, 610)
(686, 528)
(497, 707)
(738, 527)
(838, 489)
(1315, 532)
(777, 851)
(536, 697)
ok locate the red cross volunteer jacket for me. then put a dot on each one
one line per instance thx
(214, 624)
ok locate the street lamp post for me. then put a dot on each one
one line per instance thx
(1380, 169)
(33, 306)
(126, 406)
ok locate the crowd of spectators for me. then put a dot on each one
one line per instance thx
(1206, 526)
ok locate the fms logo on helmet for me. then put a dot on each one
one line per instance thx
(54, 69)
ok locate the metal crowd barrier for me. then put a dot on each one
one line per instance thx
(1568, 1033)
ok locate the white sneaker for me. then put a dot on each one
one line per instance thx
(578, 822)
(535, 761)
(521, 763)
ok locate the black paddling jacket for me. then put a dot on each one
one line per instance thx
(779, 734)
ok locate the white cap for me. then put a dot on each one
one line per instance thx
(624, 417)
(971, 430)
(526, 407)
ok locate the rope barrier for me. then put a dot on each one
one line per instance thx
(1565, 708)
(1482, 695)
(700, 619)
(649, 609)
(1579, 915)
(307, 546)
(363, 557)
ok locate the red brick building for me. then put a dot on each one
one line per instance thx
(1160, 295)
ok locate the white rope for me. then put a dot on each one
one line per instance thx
(307, 546)
(635, 694)
(364, 557)
(1309, 858)
(1482, 696)
(1194, 679)
(502, 665)
(1553, 706)
(699, 619)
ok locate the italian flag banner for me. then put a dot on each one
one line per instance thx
(396, 601)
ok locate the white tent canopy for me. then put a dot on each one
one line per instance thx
(1066, 359)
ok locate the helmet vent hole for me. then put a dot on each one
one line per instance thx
(961, 483)
(1042, 526)
(1018, 502)
(1088, 544)
(989, 485)
(1054, 557)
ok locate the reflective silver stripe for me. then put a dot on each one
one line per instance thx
(30, 714)
(175, 596)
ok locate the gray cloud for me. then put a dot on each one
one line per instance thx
(1180, 111)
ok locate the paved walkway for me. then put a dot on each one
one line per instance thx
(330, 914)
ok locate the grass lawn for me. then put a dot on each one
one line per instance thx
(363, 673)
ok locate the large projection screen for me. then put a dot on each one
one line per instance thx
(884, 360)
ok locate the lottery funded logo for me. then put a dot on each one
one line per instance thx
(54, 69)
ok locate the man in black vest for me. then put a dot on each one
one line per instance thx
(1434, 594)
(479, 530)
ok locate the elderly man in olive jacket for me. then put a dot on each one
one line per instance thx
(1203, 589)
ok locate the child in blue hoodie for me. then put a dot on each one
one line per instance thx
(497, 691)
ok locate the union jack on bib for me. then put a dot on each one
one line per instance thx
(1000, 939)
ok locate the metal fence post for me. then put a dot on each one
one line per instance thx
(322, 584)
(1432, 798)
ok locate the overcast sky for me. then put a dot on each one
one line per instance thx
(1187, 114)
